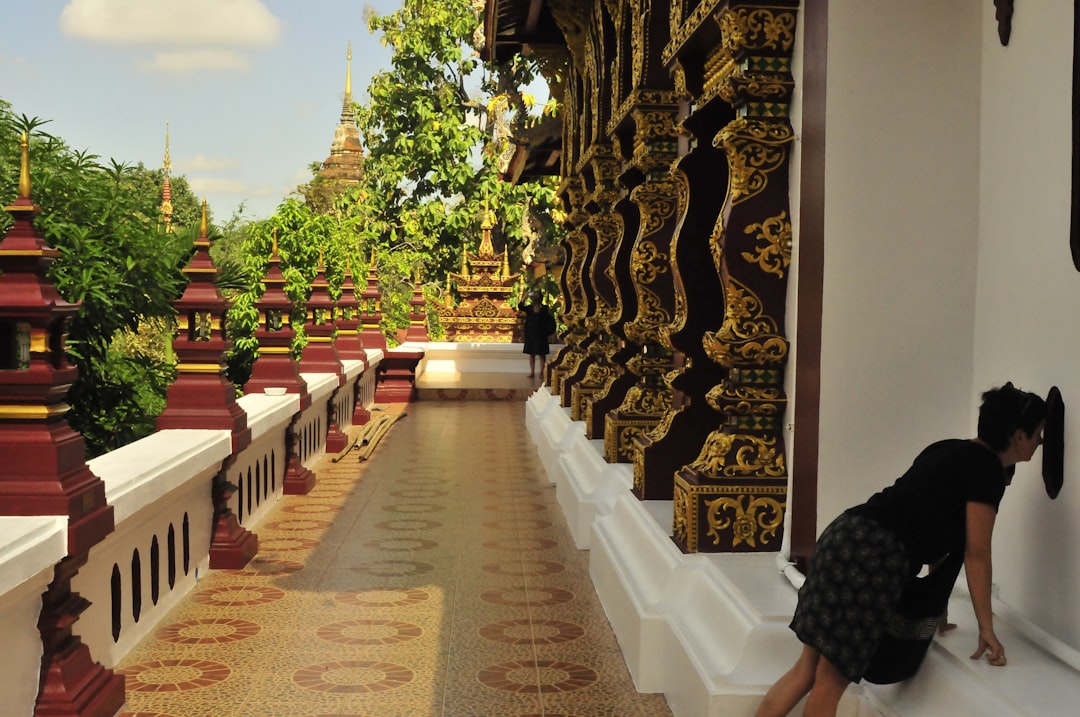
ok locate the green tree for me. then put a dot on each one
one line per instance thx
(116, 261)
(432, 168)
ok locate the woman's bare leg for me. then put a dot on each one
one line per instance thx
(532, 365)
(829, 686)
(789, 689)
(543, 362)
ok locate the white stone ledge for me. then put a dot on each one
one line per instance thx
(140, 473)
(28, 546)
(267, 413)
(320, 385)
(1035, 683)
(374, 356)
(587, 485)
(351, 368)
(537, 407)
(29, 549)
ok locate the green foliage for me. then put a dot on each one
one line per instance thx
(433, 154)
(117, 262)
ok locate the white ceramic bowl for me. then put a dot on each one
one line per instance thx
(274, 391)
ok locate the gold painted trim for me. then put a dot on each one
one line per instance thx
(33, 412)
(199, 368)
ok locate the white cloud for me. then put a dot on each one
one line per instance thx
(177, 22)
(202, 163)
(216, 185)
(187, 62)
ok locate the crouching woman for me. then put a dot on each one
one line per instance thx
(944, 505)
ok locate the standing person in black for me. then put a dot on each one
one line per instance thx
(539, 325)
(944, 505)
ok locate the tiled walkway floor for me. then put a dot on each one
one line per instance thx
(438, 578)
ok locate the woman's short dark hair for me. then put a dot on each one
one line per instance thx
(1006, 409)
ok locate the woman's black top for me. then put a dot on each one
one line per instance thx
(927, 506)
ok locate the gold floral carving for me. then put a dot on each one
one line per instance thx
(753, 521)
(597, 374)
(754, 148)
(644, 401)
(648, 262)
(774, 254)
(748, 335)
(683, 25)
(658, 203)
(683, 515)
(651, 317)
(749, 29)
(726, 455)
(627, 443)
(638, 43)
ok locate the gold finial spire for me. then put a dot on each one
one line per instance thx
(321, 267)
(203, 225)
(348, 72)
(168, 158)
(166, 188)
(24, 166)
(373, 258)
(273, 243)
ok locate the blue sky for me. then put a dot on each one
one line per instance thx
(251, 89)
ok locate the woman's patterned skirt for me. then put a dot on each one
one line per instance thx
(856, 577)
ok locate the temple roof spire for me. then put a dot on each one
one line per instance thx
(166, 188)
(347, 112)
(343, 166)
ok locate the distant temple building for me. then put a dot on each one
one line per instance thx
(485, 283)
(344, 166)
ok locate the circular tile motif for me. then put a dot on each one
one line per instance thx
(369, 632)
(329, 493)
(408, 524)
(395, 545)
(208, 631)
(517, 524)
(353, 676)
(413, 508)
(521, 545)
(310, 508)
(515, 507)
(419, 493)
(422, 480)
(394, 568)
(238, 596)
(390, 597)
(262, 567)
(533, 676)
(513, 492)
(286, 544)
(531, 632)
(299, 524)
(174, 675)
(526, 567)
(522, 597)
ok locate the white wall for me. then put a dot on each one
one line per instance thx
(901, 226)
(1028, 296)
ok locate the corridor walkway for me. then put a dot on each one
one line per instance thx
(436, 579)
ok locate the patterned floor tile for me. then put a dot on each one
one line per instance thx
(408, 585)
